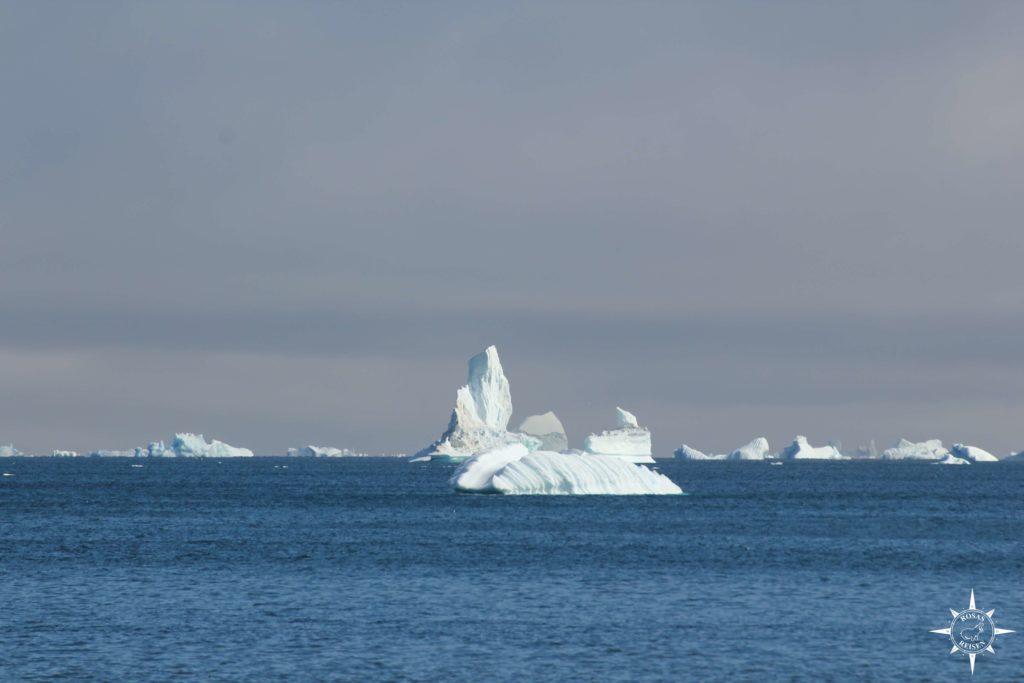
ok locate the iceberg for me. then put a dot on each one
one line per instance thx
(630, 441)
(801, 450)
(548, 429)
(972, 453)
(9, 451)
(113, 454)
(951, 459)
(931, 449)
(1014, 457)
(186, 445)
(755, 450)
(685, 452)
(64, 454)
(516, 470)
(479, 421)
(323, 452)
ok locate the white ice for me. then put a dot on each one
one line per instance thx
(516, 470)
(931, 449)
(9, 451)
(972, 453)
(186, 445)
(322, 452)
(548, 429)
(801, 450)
(755, 450)
(479, 421)
(951, 459)
(630, 441)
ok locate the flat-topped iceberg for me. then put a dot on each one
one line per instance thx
(755, 450)
(479, 421)
(515, 470)
(932, 449)
(972, 453)
(186, 445)
(800, 449)
(548, 429)
(323, 452)
(9, 451)
(63, 454)
(103, 453)
(629, 441)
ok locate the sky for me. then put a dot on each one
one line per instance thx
(290, 223)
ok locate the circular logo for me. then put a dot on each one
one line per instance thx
(972, 631)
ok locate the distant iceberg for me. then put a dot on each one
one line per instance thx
(113, 454)
(548, 429)
(479, 421)
(9, 451)
(931, 449)
(1014, 457)
(972, 453)
(186, 445)
(755, 450)
(800, 449)
(323, 452)
(630, 441)
(516, 470)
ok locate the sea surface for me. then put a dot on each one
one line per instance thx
(275, 569)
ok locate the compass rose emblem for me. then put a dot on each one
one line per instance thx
(972, 631)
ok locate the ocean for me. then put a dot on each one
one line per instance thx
(372, 569)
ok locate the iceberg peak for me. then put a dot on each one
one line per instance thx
(483, 407)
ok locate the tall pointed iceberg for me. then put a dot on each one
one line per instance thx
(479, 421)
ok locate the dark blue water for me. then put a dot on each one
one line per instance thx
(372, 569)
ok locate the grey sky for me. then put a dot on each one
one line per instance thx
(290, 223)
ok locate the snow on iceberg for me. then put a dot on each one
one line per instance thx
(931, 449)
(548, 429)
(972, 453)
(630, 441)
(479, 421)
(516, 470)
(801, 450)
(9, 451)
(322, 452)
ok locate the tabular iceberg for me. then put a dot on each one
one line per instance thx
(479, 421)
(931, 449)
(186, 445)
(801, 450)
(972, 453)
(630, 441)
(516, 470)
(548, 429)
(323, 452)
(9, 451)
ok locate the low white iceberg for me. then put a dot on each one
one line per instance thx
(630, 441)
(9, 451)
(951, 459)
(931, 449)
(755, 450)
(323, 452)
(685, 452)
(548, 429)
(516, 470)
(186, 445)
(801, 450)
(972, 453)
(113, 454)
(479, 421)
(64, 454)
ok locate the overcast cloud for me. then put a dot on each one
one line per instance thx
(291, 223)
